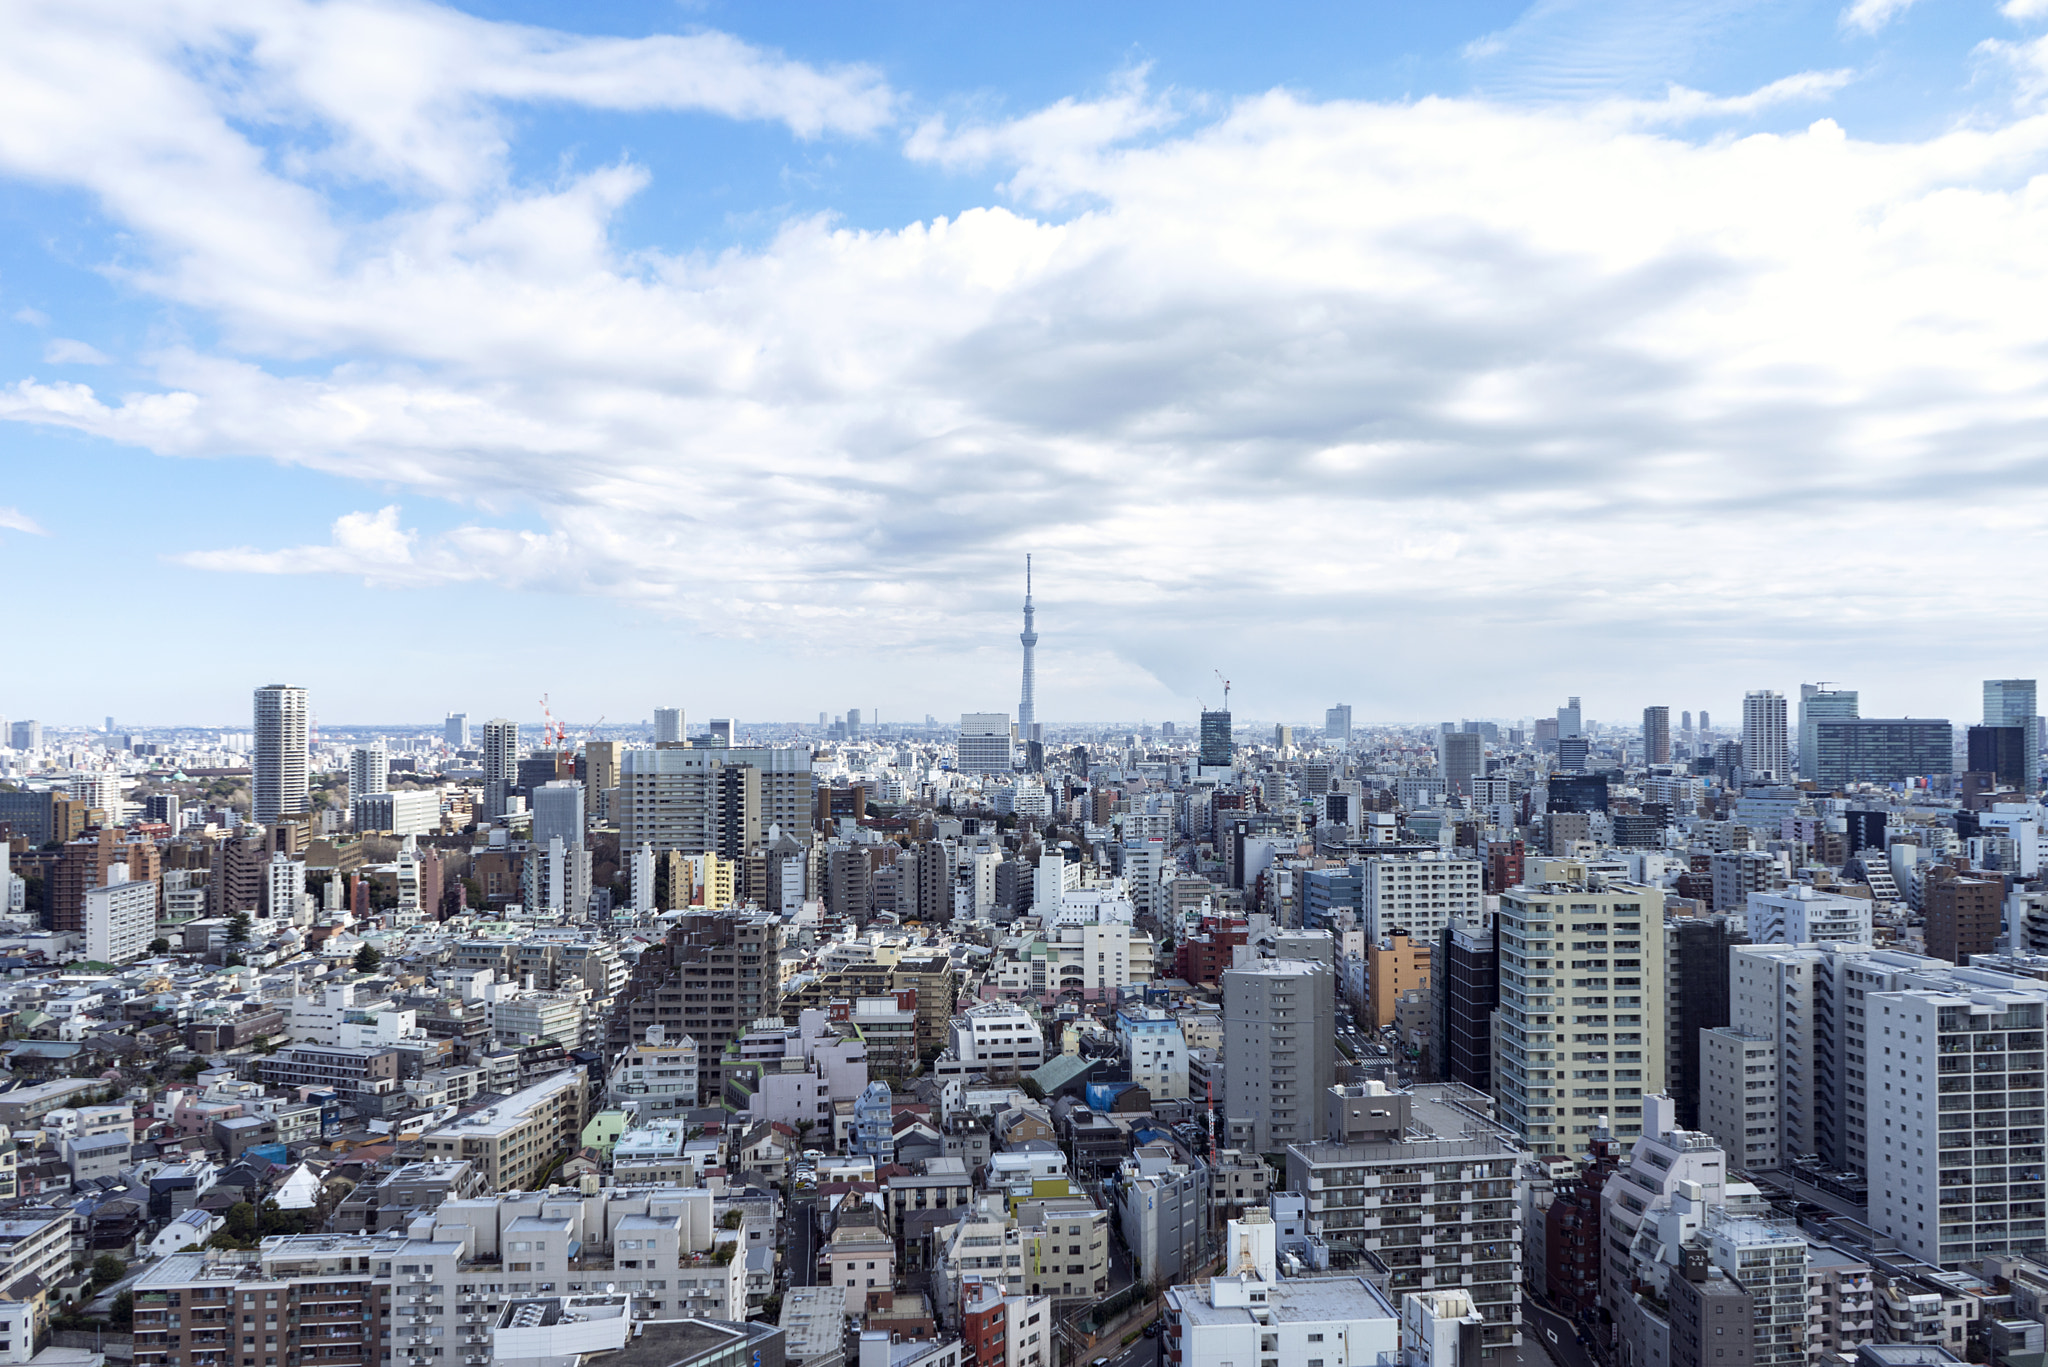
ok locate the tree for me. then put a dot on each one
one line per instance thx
(122, 1315)
(234, 961)
(106, 1270)
(241, 1222)
(367, 959)
(238, 928)
(159, 945)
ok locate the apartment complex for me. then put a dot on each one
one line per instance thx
(516, 1141)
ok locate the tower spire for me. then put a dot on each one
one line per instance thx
(1027, 709)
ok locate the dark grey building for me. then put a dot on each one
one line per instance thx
(1881, 749)
(1696, 998)
(2000, 751)
(1465, 980)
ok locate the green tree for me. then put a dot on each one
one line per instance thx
(159, 945)
(234, 961)
(122, 1315)
(106, 1270)
(241, 1222)
(367, 959)
(238, 928)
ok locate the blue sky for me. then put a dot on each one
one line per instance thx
(1432, 358)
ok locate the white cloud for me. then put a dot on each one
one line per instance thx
(1871, 15)
(70, 351)
(15, 520)
(1292, 371)
(2024, 10)
(33, 317)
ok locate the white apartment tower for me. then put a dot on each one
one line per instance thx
(668, 726)
(1580, 1030)
(1766, 749)
(1421, 894)
(369, 770)
(280, 781)
(120, 918)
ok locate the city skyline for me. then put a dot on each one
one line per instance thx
(763, 345)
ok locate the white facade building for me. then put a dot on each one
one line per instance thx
(369, 770)
(1422, 894)
(984, 743)
(120, 918)
(408, 811)
(1251, 1315)
(1801, 915)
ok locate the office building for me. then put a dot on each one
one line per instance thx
(1337, 724)
(1881, 750)
(1580, 1033)
(1766, 750)
(703, 801)
(1696, 996)
(1464, 980)
(1278, 1051)
(405, 812)
(1461, 758)
(2000, 751)
(1657, 735)
(120, 918)
(985, 746)
(1816, 704)
(1570, 720)
(1420, 1181)
(369, 770)
(26, 735)
(2011, 702)
(455, 731)
(1218, 743)
(668, 726)
(280, 777)
(558, 812)
(1801, 915)
(501, 765)
(1576, 793)
(1573, 753)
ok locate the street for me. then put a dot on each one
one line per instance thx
(1143, 1353)
(1554, 1334)
(802, 1253)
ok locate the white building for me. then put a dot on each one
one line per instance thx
(1766, 748)
(278, 784)
(1423, 894)
(998, 1037)
(369, 770)
(284, 887)
(120, 918)
(1158, 1051)
(409, 811)
(1801, 915)
(655, 1077)
(1252, 1315)
(984, 743)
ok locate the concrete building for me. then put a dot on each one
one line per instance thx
(120, 918)
(405, 812)
(1163, 1204)
(1425, 1183)
(1157, 1050)
(1580, 1033)
(369, 770)
(280, 772)
(985, 743)
(1251, 1314)
(1464, 985)
(1421, 893)
(1279, 1053)
(1802, 915)
(512, 1143)
(1766, 749)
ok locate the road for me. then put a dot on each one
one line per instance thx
(1556, 1334)
(803, 1246)
(1143, 1353)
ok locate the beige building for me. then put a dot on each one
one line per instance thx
(1580, 1030)
(513, 1143)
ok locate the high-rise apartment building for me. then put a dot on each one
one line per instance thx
(1218, 743)
(1421, 894)
(1881, 750)
(120, 918)
(455, 731)
(711, 979)
(1657, 735)
(280, 781)
(1964, 913)
(600, 767)
(1337, 724)
(558, 813)
(1766, 749)
(1580, 1034)
(1818, 703)
(985, 746)
(1464, 984)
(369, 770)
(501, 764)
(1279, 1055)
(1801, 914)
(668, 726)
(2012, 702)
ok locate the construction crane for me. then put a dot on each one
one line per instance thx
(551, 731)
(1226, 689)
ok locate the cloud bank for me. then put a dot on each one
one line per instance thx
(1610, 368)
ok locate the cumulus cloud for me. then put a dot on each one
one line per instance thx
(1869, 16)
(1282, 370)
(2023, 10)
(70, 351)
(15, 520)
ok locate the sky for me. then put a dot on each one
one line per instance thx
(1439, 359)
